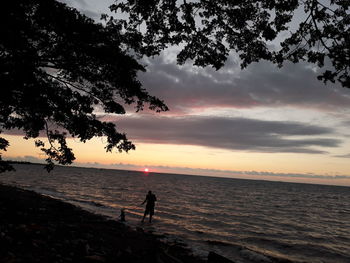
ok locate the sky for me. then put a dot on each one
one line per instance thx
(262, 122)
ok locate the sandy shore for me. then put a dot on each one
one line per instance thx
(35, 228)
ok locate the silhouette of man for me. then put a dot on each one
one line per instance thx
(151, 201)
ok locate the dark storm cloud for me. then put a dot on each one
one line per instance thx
(230, 133)
(261, 85)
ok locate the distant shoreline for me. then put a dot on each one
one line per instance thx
(36, 228)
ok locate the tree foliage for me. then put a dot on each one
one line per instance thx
(57, 68)
(206, 31)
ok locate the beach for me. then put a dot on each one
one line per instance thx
(245, 221)
(36, 228)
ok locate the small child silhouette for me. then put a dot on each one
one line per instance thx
(122, 215)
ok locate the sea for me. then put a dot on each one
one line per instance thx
(242, 220)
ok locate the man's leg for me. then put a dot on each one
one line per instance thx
(144, 215)
(151, 212)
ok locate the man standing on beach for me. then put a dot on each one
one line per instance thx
(151, 201)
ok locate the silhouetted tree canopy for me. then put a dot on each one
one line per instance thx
(274, 30)
(57, 68)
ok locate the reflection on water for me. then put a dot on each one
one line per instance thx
(298, 222)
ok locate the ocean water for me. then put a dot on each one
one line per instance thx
(243, 220)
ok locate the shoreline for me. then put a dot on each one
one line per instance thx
(255, 223)
(37, 228)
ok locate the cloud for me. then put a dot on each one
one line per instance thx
(90, 9)
(260, 85)
(229, 133)
(343, 156)
(346, 123)
(91, 14)
(239, 134)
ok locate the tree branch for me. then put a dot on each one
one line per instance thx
(325, 7)
(316, 27)
(48, 136)
(70, 85)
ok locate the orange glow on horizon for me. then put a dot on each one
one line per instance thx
(170, 158)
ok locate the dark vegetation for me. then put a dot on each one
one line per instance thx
(208, 30)
(58, 67)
